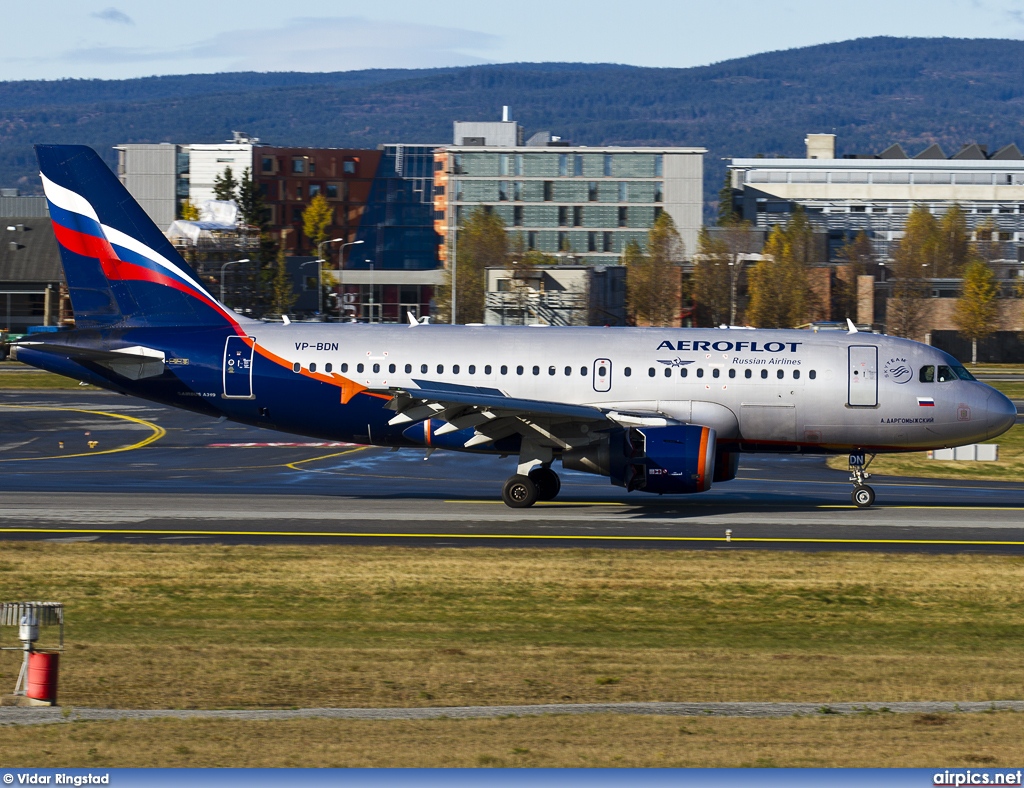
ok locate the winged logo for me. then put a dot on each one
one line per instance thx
(674, 362)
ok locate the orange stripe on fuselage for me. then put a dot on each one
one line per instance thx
(349, 388)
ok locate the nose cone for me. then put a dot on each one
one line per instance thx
(1001, 414)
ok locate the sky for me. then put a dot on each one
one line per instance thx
(118, 39)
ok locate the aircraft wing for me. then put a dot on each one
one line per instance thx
(135, 363)
(494, 415)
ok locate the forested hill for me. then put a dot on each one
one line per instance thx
(871, 92)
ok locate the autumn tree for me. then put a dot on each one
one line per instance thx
(189, 212)
(282, 292)
(858, 254)
(952, 252)
(915, 255)
(780, 292)
(711, 285)
(653, 275)
(977, 311)
(224, 185)
(481, 243)
(986, 241)
(316, 218)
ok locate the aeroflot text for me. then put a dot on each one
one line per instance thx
(976, 778)
(723, 345)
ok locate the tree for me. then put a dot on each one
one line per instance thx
(780, 293)
(977, 311)
(282, 293)
(726, 210)
(711, 283)
(953, 252)
(986, 243)
(481, 243)
(916, 252)
(859, 255)
(316, 219)
(653, 277)
(189, 212)
(250, 202)
(225, 185)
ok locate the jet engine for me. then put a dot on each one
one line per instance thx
(677, 459)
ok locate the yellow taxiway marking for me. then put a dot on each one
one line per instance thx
(324, 457)
(158, 432)
(517, 537)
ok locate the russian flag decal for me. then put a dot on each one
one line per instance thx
(926, 402)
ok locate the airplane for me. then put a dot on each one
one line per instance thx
(659, 410)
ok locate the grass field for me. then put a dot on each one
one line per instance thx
(15, 375)
(923, 740)
(183, 626)
(1008, 468)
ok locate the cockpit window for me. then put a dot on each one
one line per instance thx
(963, 374)
(946, 374)
(927, 374)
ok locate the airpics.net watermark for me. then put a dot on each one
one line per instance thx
(33, 778)
(975, 777)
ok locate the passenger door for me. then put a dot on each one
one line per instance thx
(862, 385)
(602, 375)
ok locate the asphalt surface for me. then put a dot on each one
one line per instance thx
(87, 465)
(43, 715)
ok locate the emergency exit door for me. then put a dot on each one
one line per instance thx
(238, 353)
(863, 376)
(602, 375)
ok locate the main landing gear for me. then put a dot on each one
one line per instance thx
(541, 484)
(862, 496)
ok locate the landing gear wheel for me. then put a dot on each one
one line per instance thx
(519, 492)
(863, 496)
(548, 483)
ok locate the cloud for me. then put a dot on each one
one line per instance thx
(313, 44)
(112, 14)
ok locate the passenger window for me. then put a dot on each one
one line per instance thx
(408, 369)
(312, 367)
(927, 374)
(296, 366)
(536, 370)
(360, 367)
(504, 369)
(650, 372)
(716, 372)
(487, 369)
(946, 374)
(700, 372)
(376, 368)
(472, 369)
(440, 369)
(812, 374)
(682, 372)
(328, 367)
(344, 367)
(732, 373)
(583, 371)
(796, 374)
(391, 368)
(780, 374)
(764, 374)
(668, 372)
(568, 371)
(627, 371)
(748, 374)
(455, 369)
(423, 369)
(519, 370)
(602, 371)
(551, 370)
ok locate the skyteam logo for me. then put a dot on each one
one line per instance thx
(897, 370)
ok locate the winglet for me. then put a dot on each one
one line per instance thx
(853, 328)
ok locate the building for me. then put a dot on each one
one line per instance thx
(31, 277)
(208, 162)
(875, 193)
(157, 176)
(581, 204)
(561, 295)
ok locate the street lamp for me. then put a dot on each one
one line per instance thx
(369, 263)
(223, 273)
(319, 273)
(341, 266)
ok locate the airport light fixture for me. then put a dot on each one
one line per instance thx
(341, 265)
(223, 273)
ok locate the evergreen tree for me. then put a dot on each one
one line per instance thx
(727, 214)
(250, 202)
(977, 310)
(283, 295)
(225, 186)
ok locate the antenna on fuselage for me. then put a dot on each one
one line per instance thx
(853, 328)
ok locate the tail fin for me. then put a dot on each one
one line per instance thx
(120, 269)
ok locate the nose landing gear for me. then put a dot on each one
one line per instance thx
(862, 496)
